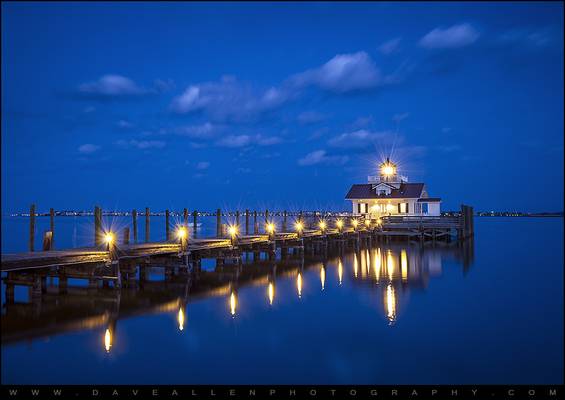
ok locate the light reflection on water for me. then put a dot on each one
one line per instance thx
(424, 302)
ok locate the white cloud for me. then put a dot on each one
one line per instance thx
(234, 141)
(390, 46)
(88, 148)
(202, 165)
(321, 157)
(112, 86)
(248, 140)
(400, 117)
(267, 140)
(124, 124)
(539, 38)
(453, 37)
(141, 144)
(343, 73)
(228, 100)
(358, 139)
(203, 131)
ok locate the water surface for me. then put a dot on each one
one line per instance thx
(486, 312)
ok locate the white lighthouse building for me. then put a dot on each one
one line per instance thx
(389, 193)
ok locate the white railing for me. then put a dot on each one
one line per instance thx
(377, 179)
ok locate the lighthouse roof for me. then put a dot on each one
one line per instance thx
(367, 191)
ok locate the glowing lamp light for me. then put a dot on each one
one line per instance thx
(339, 224)
(232, 230)
(181, 233)
(323, 225)
(270, 227)
(355, 223)
(299, 226)
(387, 170)
(367, 223)
(109, 238)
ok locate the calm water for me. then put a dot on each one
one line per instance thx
(487, 313)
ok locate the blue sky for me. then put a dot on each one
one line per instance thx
(279, 105)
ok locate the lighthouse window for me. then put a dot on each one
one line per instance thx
(403, 208)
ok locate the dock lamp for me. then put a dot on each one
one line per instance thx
(368, 223)
(323, 226)
(233, 232)
(339, 224)
(110, 241)
(299, 226)
(182, 234)
(355, 223)
(270, 227)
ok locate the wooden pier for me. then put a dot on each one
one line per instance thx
(120, 262)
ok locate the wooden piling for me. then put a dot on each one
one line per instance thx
(185, 218)
(218, 223)
(134, 216)
(97, 226)
(147, 224)
(237, 219)
(255, 224)
(194, 225)
(52, 227)
(126, 235)
(47, 241)
(167, 226)
(266, 217)
(247, 222)
(284, 221)
(31, 226)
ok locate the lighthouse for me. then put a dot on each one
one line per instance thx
(389, 193)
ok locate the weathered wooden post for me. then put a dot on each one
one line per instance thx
(194, 224)
(255, 224)
(185, 217)
(237, 220)
(31, 226)
(97, 226)
(52, 227)
(266, 217)
(247, 222)
(146, 224)
(167, 226)
(284, 221)
(126, 236)
(47, 241)
(134, 216)
(218, 223)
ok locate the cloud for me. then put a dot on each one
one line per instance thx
(202, 165)
(453, 37)
(358, 139)
(141, 144)
(343, 73)
(228, 100)
(88, 148)
(267, 140)
(124, 124)
(400, 117)
(203, 131)
(390, 46)
(321, 157)
(310, 117)
(235, 141)
(525, 37)
(111, 86)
